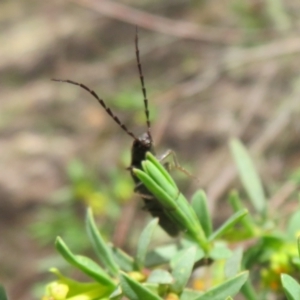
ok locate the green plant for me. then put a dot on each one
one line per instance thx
(290, 286)
(268, 250)
(274, 250)
(164, 272)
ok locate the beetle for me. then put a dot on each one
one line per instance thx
(141, 145)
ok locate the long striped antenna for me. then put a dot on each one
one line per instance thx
(102, 103)
(137, 53)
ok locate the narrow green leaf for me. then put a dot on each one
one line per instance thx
(293, 225)
(228, 288)
(186, 244)
(233, 263)
(220, 251)
(249, 291)
(159, 178)
(155, 189)
(189, 294)
(134, 290)
(155, 288)
(160, 276)
(291, 287)
(186, 217)
(249, 176)
(3, 295)
(144, 242)
(183, 212)
(229, 224)
(247, 221)
(159, 187)
(99, 245)
(160, 255)
(116, 294)
(85, 264)
(124, 261)
(199, 204)
(176, 206)
(182, 270)
(162, 169)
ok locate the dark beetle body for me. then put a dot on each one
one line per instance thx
(138, 153)
(140, 147)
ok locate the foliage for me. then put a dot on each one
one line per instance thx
(2, 293)
(165, 272)
(290, 285)
(274, 250)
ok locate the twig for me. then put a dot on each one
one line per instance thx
(240, 57)
(164, 25)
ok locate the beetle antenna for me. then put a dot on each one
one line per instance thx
(102, 103)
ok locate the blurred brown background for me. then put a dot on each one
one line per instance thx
(213, 70)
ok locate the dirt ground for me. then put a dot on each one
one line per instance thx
(213, 70)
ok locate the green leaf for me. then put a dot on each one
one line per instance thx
(293, 226)
(189, 294)
(258, 253)
(229, 224)
(161, 168)
(186, 244)
(247, 221)
(220, 251)
(160, 276)
(249, 176)
(116, 294)
(291, 287)
(160, 179)
(152, 186)
(176, 206)
(134, 290)
(3, 295)
(155, 288)
(199, 204)
(124, 261)
(228, 288)
(182, 270)
(99, 245)
(144, 242)
(249, 291)
(160, 255)
(233, 263)
(85, 264)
